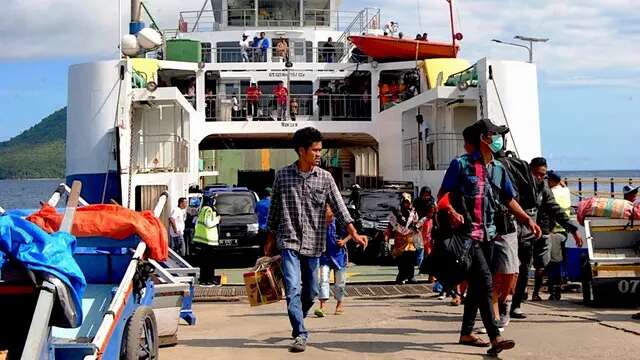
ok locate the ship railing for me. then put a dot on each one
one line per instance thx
(433, 152)
(297, 53)
(329, 107)
(162, 153)
(585, 187)
(389, 100)
(214, 20)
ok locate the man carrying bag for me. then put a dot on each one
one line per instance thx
(477, 184)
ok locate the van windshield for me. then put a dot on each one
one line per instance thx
(235, 204)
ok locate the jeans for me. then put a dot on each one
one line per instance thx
(177, 244)
(419, 257)
(340, 282)
(281, 109)
(301, 287)
(480, 292)
(525, 254)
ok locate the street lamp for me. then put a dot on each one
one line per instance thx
(529, 48)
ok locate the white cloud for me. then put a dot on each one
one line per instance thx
(590, 39)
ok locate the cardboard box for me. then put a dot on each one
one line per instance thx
(265, 282)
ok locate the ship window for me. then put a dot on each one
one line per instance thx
(228, 51)
(302, 92)
(241, 13)
(396, 86)
(206, 52)
(279, 13)
(317, 13)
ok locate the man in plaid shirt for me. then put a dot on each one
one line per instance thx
(297, 223)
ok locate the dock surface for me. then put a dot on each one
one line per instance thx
(404, 327)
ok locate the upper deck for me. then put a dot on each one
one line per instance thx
(220, 15)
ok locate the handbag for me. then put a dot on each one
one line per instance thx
(450, 260)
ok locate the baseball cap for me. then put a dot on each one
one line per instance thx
(406, 197)
(552, 175)
(268, 190)
(245, 34)
(627, 189)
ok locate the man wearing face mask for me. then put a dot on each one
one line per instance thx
(549, 213)
(477, 185)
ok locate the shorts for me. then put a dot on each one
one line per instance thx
(541, 252)
(504, 285)
(505, 254)
(558, 242)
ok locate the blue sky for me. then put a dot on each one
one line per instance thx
(589, 74)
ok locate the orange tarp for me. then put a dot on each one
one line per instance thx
(111, 221)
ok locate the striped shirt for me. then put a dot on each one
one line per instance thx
(297, 214)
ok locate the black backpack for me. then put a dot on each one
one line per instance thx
(522, 179)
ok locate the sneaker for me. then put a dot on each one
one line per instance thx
(442, 296)
(299, 345)
(319, 313)
(504, 320)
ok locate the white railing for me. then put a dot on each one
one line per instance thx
(433, 153)
(322, 107)
(213, 20)
(296, 53)
(162, 153)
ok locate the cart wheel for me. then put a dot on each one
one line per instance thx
(141, 335)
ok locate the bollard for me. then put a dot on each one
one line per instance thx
(595, 187)
(579, 189)
(613, 190)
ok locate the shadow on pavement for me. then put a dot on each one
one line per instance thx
(362, 347)
(387, 331)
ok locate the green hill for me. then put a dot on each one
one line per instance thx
(38, 152)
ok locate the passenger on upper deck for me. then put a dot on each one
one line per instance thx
(262, 45)
(282, 50)
(281, 94)
(245, 45)
(329, 51)
(253, 99)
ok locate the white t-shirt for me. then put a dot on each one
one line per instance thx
(244, 45)
(178, 215)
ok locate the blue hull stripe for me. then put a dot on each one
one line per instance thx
(93, 185)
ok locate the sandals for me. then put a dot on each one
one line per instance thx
(501, 345)
(339, 311)
(476, 342)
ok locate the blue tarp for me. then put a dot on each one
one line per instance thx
(38, 250)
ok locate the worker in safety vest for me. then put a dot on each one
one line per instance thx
(207, 224)
(206, 236)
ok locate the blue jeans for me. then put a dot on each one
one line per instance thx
(301, 287)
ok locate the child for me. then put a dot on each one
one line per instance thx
(334, 258)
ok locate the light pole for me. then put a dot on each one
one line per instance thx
(529, 48)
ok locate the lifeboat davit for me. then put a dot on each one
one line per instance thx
(388, 48)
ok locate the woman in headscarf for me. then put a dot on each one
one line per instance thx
(403, 227)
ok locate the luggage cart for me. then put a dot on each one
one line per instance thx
(174, 284)
(118, 318)
(611, 269)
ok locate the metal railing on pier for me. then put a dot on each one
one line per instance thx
(583, 187)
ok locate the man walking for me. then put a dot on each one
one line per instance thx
(477, 185)
(297, 221)
(176, 226)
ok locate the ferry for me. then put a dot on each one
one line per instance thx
(186, 113)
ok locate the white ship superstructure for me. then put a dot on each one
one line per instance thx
(129, 140)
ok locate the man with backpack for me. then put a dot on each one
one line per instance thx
(534, 196)
(477, 184)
